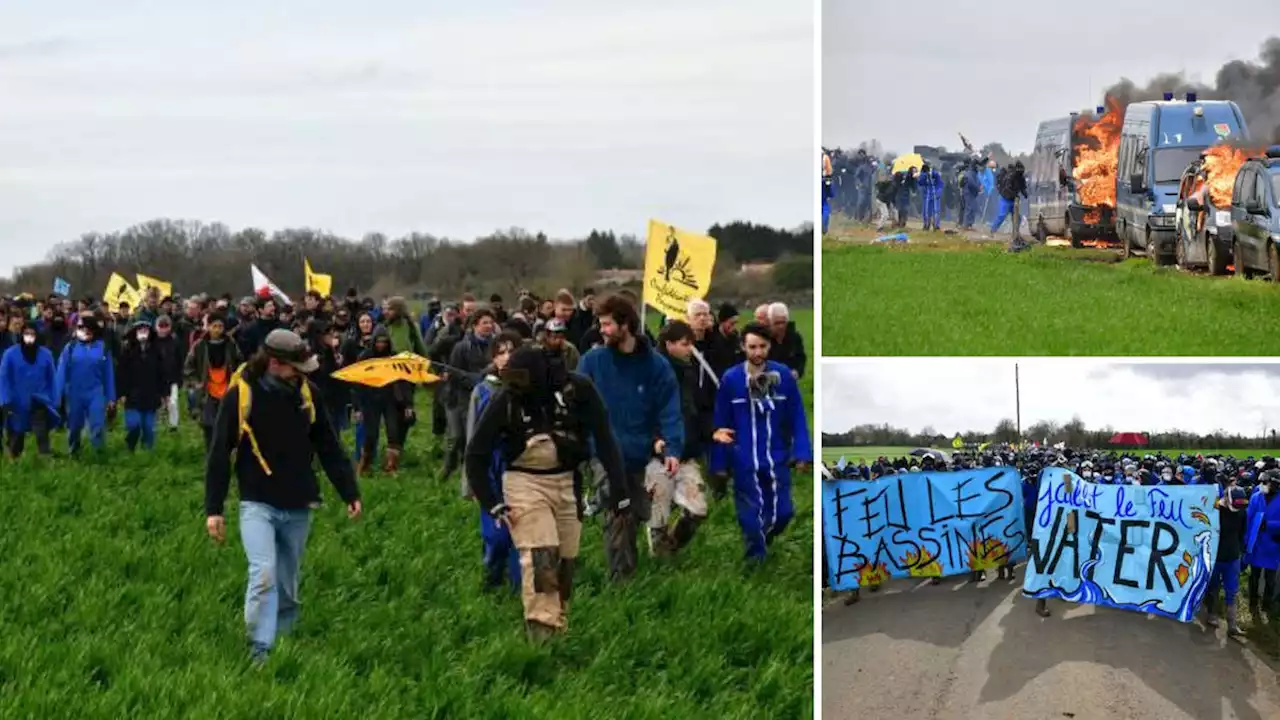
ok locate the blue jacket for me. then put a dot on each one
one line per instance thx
(1262, 521)
(988, 180)
(768, 433)
(24, 384)
(85, 370)
(480, 398)
(930, 184)
(643, 400)
(972, 183)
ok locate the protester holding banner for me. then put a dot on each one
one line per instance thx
(1226, 571)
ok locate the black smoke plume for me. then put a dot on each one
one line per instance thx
(1254, 85)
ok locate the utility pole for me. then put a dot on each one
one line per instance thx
(1017, 398)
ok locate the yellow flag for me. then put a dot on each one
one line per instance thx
(144, 282)
(677, 268)
(119, 290)
(379, 372)
(315, 281)
(957, 443)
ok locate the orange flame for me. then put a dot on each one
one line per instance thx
(929, 567)
(1182, 573)
(1221, 163)
(1097, 154)
(987, 553)
(872, 574)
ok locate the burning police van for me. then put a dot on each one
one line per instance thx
(1203, 209)
(1071, 179)
(1158, 141)
(1254, 214)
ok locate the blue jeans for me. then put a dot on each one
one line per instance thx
(1226, 575)
(273, 542)
(140, 423)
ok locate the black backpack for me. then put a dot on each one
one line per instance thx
(1003, 182)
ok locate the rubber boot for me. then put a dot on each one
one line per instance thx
(565, 579)
(392, 463)
(1233, 629)
(1042, 607)
(539, 632)
(1211, 611)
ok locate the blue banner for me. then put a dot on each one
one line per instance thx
(922, 525)
(1149, 549)
(61, 287)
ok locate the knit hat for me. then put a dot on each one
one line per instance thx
(727, 311)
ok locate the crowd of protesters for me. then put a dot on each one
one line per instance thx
(703, 393)
(1246, 488)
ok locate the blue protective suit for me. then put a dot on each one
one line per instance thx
(25, 385)
(500, 554)
(770, 433)
(1262, 531)
(930, 184)
(972, 193)
(86, 381)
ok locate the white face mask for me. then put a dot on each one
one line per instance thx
(1087, 473)
(1166, 476)
(82, 335)
(144, 336)
(29, 339)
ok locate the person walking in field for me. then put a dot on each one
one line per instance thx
(143, 384)
(643, 402)
(86, 381)
(387, 406)
(683, 489)
(270, 420)
(27, 392)
(172, 355)
(500, 556)
(1011, 183)
(762, 431)
(542, 421)
(208, 370)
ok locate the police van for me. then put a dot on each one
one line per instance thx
(1254, 229)
(1055, 207)
(1159, 139)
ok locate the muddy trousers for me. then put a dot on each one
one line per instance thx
(620, 530)
(763, 501)
(1268, 583)
(547, 533)
(684, 490)
(274, 540)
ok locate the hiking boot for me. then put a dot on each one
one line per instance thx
(258, 655)
(1042, 607)
(684, 530)
(539, 632)
(392, 463)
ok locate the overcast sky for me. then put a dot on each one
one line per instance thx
(917, 73)
(960, 394)
(400, 115)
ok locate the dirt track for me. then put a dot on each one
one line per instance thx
(958, 651)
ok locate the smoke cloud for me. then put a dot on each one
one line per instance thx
(1254, 85)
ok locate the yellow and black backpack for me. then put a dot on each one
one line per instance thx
(245, 399)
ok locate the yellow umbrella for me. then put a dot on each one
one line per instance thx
(910, 160)
(379, 372)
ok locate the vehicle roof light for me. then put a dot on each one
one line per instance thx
(1168, 96)
(1191, 97)
(1101, 109)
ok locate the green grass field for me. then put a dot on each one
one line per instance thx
(833, 454)
(117, 604)
(948, 296)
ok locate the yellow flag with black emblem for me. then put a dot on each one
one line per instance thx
(380, 372)
(677, 268)
(119, 290)
(316, 281)
(145, 282)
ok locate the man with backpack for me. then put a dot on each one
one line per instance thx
(541, 420)
(270, 421)
(1011, 183)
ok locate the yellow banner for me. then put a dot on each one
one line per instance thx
(677, 268)
(315, 281)
(119, 290)
(957, 443)
(379, 372)
(144, 282)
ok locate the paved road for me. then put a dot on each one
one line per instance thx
(960, 651)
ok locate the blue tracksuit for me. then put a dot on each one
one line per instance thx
(25, 385)
(769, 434)
(1262, 540)
(930, 184)
(86, 380)
(499, 551)
(643, 400)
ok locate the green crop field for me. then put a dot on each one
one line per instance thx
(949, 296)
(117, 604)
(870, 453)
